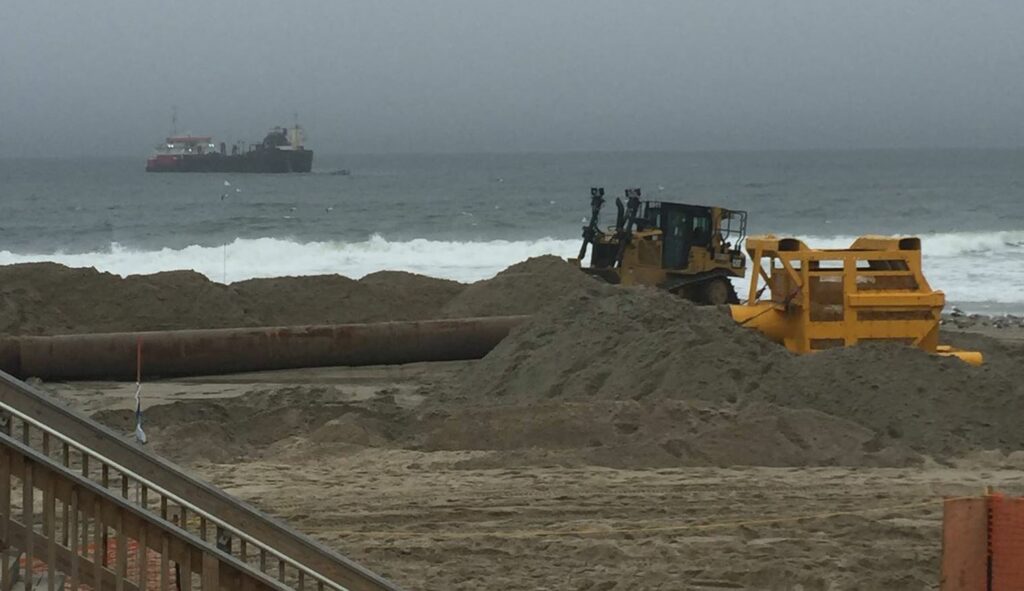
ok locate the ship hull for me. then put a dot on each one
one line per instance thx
(258, 161)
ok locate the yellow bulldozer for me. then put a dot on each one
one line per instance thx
(873, 291)
(689, 250)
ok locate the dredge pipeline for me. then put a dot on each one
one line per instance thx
(221, 351)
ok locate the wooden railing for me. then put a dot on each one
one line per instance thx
(53, 516)
(70, 452)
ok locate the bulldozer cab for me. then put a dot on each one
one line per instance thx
(687, 249)
(682, 228)
(685, 227)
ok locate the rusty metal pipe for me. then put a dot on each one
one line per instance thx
(231, 350)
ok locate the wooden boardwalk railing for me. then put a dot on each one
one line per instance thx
(60, 468)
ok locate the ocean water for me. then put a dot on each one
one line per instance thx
(466, 217)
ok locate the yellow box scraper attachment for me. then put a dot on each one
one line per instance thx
(825, 298)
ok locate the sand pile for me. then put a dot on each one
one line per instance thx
(262, 422)
(638, 376)
(522, 288)
(334, 299)
(616, 343)
(47, 298)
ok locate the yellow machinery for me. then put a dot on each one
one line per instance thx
(690, 250)
(825, 298)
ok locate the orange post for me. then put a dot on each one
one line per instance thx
(983, 544)
(1006, 539)
(965, 544)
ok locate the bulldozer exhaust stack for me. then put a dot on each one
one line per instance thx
(873, 291)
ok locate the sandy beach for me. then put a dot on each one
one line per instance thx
(560, 296)
(620, 439)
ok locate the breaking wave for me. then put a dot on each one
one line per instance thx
(968, 266)
(273, 257)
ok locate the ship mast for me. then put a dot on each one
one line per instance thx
(174, 121)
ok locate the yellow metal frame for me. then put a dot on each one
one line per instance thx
(823, 298)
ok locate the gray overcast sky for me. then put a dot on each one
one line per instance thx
(467, 75)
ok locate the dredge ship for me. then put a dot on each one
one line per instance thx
(282, 150)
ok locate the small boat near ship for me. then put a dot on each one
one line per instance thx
(281, 151)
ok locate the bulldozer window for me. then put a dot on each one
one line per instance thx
(653, 216)
(675, 227)
(701, 231)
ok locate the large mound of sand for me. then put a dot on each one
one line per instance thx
(47, 298)
(522, 288)
(637, 375)
(334, 299)
(606, 342)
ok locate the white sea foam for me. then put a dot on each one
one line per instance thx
(968, 266)
(273, 257)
